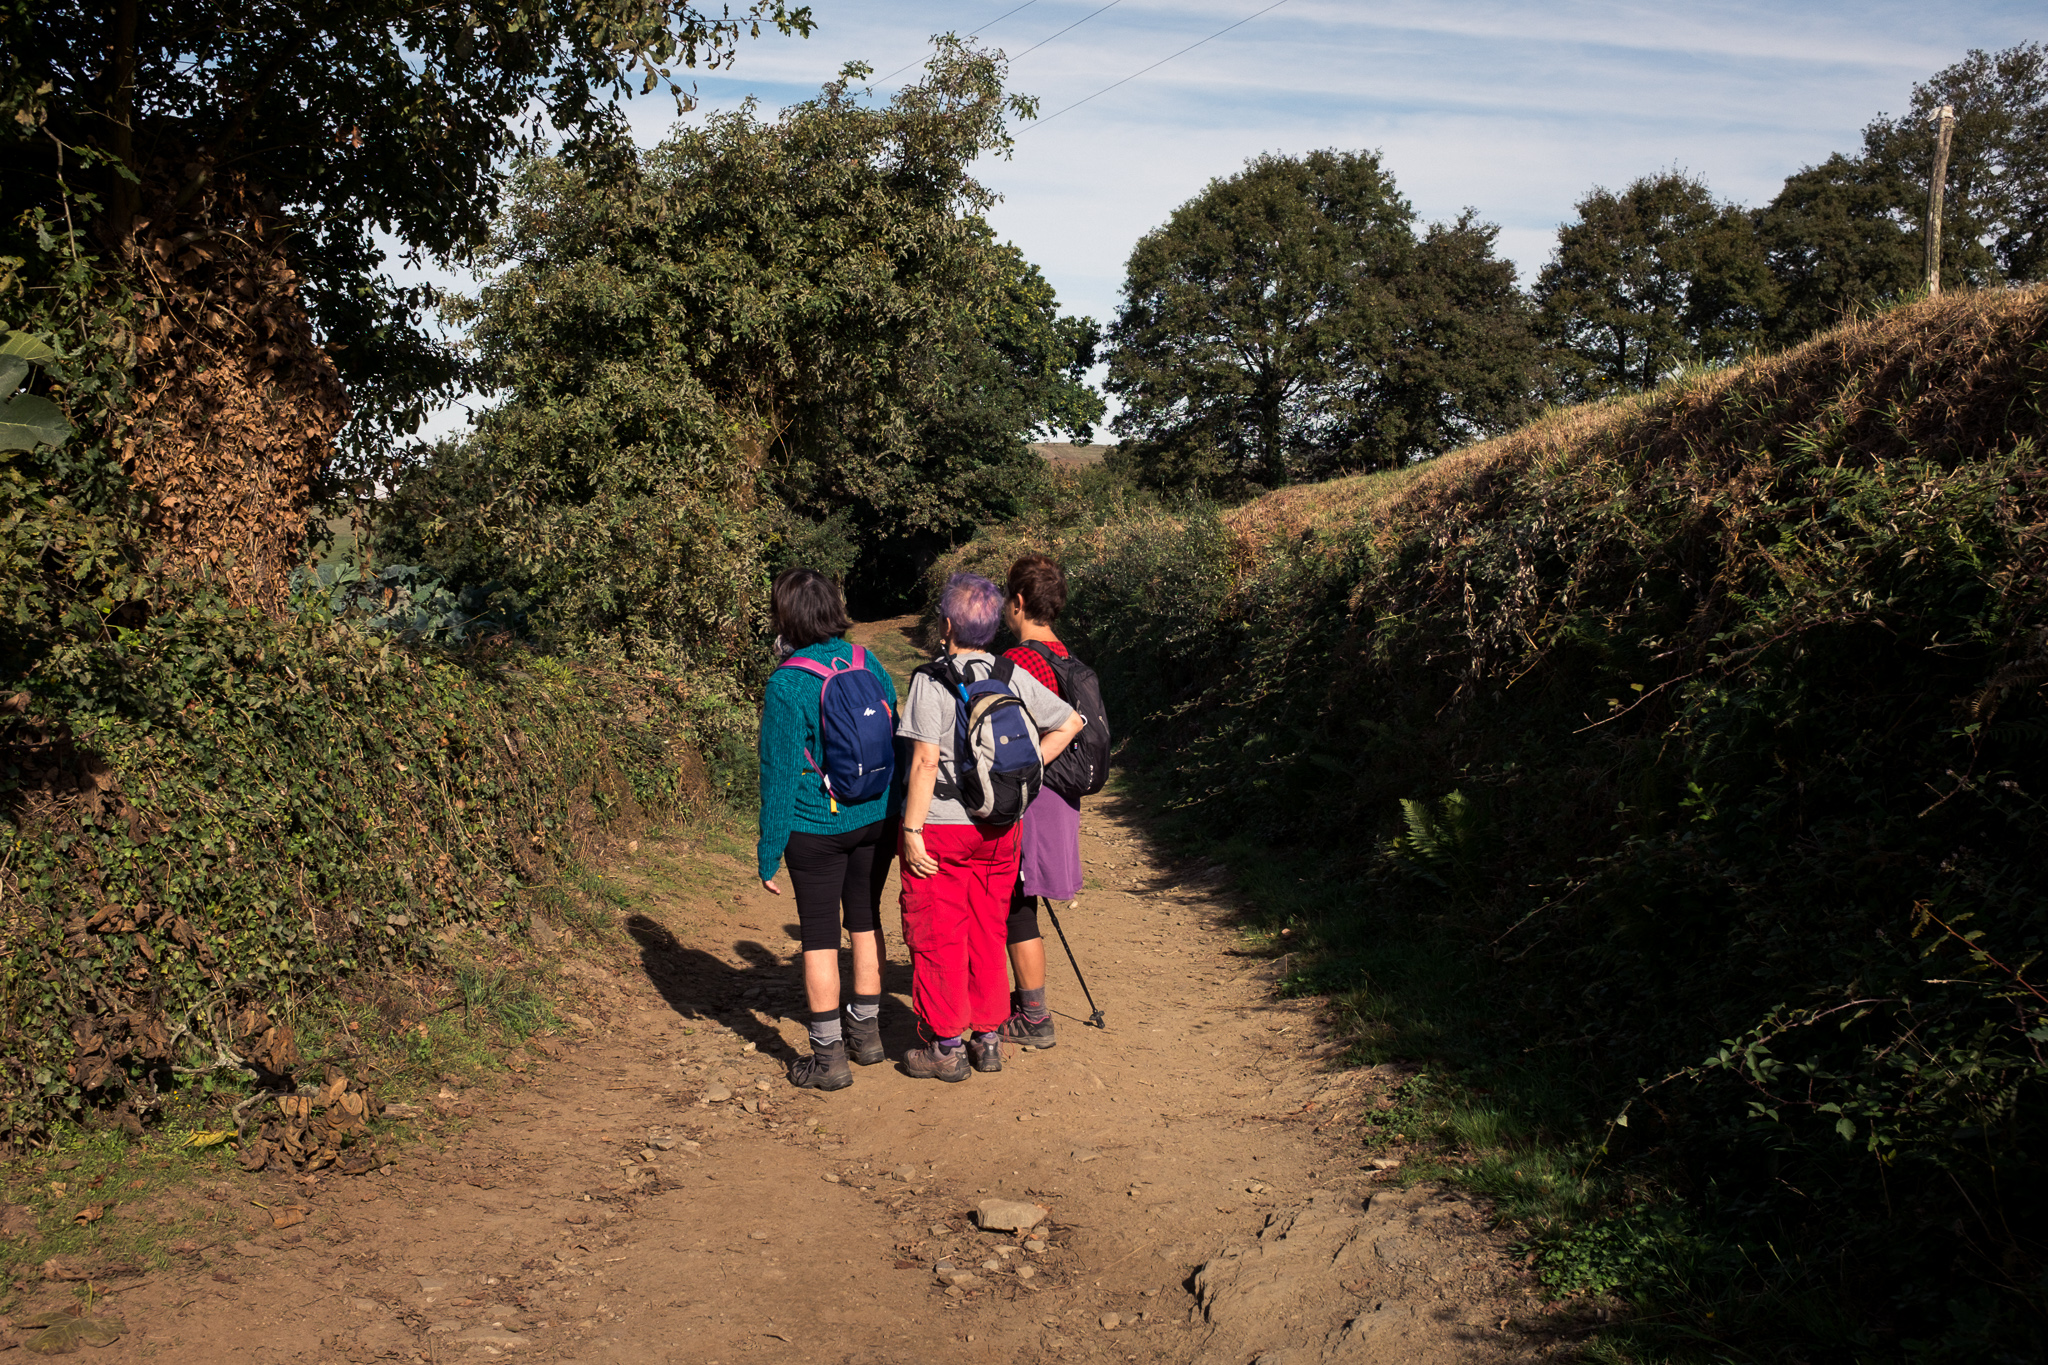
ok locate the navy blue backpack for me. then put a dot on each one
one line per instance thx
(855, 729)
(996, 767)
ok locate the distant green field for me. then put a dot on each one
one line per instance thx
(343, 545)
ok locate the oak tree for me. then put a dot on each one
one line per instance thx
(1291, 322)
(1655, 277)
(340, 124)
(1848, 235)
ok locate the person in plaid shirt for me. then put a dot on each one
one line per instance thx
(1050, 858)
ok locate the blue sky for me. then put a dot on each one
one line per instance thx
(1513, 107)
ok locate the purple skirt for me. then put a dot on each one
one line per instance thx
(1050, 862)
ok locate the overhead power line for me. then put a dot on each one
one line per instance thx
(1068, 29)
(1155, 66)
(990, 24)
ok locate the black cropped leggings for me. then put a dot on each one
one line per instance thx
(834, 871)
(1023, 917)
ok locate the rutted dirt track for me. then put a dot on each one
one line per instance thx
(1199, 1160)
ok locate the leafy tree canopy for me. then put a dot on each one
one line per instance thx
(761, 339)
(1291, 323)
(1838, 242)
(1655, 277)
(352, 118)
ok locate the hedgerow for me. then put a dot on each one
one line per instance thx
(1709, 730)
(218, 816)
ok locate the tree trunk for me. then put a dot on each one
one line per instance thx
(123, 195)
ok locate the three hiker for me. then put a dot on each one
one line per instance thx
(994, 755)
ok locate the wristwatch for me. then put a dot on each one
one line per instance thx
(913, 829)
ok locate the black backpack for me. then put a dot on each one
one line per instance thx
(1083, 766)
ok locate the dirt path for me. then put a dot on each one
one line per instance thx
(1198, 1159)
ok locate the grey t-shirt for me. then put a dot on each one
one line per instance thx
(928, 715)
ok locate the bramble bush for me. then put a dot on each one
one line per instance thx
(1742, 690)
(220, 816)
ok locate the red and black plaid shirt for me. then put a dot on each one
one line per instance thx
(1033, 663)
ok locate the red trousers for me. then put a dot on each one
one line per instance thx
(956, 925)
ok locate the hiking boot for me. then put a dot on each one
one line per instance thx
(1026, 1034)
(824, 1069)
(933, 1061)
(985, 1051)
(864, 1039)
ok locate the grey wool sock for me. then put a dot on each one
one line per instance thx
(1031, 1004)
(824, 1027)
(863, 1008)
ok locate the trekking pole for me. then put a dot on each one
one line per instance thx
(1096, 1017)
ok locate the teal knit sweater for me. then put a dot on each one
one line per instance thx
(792, 795)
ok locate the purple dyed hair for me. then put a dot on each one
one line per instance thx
(973, 605)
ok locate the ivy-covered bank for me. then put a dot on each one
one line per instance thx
(217, 816)
(1673, 774)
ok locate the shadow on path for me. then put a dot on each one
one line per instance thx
(699, 985)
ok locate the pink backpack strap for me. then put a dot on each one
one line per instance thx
(808, 666)
(860, 660)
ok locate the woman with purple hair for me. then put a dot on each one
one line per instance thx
(959, 874)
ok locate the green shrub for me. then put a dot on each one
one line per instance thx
(217, 817)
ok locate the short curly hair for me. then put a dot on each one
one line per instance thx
(974, 606)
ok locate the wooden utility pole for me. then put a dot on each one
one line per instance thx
(1944, 121)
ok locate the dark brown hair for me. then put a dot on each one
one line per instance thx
(1043, 586)
(808, 608)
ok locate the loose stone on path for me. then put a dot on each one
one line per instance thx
(1009, 1215)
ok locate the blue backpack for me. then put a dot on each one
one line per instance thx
(996, 768)
(855, 729)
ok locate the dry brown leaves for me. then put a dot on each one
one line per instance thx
(266, 1042)
(236, 406)
(326, 1129)
(61, 1332)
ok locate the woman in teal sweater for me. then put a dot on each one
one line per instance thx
(838, 852)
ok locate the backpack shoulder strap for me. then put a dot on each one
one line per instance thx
(1053, 661)
(1045, 652)
(805, 665)
(860, 657)
(943, 672)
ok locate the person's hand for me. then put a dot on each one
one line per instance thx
(768, 885)
(916, 861)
